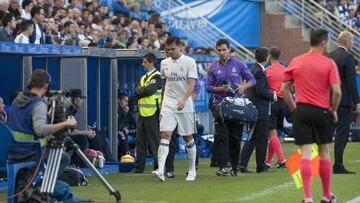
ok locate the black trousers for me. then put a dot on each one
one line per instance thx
(123, 144)
(83, 143)
(259, 140)
(147, 135)
(342, 135)
(228, 136)
(169, 164)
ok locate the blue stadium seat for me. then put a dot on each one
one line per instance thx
(7, 143)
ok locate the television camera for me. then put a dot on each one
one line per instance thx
(61, 102)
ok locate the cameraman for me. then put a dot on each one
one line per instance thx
(226, 77)
(28, 120)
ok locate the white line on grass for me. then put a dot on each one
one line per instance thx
(149, 201)
(355, 161)
(355, 200)
(256, 195)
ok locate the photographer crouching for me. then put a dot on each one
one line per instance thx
(28, 121)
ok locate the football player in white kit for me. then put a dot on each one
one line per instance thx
(179, 73)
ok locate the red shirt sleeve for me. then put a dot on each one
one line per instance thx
(288, 74)
(334, 77)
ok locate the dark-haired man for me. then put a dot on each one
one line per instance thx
(261, 96)
(9, 23)
(279, 109)
(28, 119)
(147, 128)
(177, 109)
(38, 35)
(225, 75)
(317, 87)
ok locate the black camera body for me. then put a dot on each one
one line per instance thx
(61, 102)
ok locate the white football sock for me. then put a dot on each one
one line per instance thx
(191, 154)
(163, 152)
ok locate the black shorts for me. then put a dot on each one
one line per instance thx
(312, 125)
(279, 110)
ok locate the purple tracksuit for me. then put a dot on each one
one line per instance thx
(233, 73)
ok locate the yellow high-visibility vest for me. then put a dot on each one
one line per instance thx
(148, 105)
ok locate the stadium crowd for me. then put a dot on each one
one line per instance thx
(124, 24)
(347, 11)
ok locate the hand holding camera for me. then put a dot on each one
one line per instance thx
(71, 121)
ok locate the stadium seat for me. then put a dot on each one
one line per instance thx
(8, 143)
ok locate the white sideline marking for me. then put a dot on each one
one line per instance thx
(355, 200)
(149, 201)
(355, 161)
(256, 195)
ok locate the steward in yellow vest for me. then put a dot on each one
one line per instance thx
(148, 94)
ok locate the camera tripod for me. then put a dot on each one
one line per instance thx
(56, 147)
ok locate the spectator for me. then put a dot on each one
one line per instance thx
(3, 115)
(154, 41)
(331, 7)
(343, 9)
(51, 30)
(2, 13)
(143, 43)
(38, 36)
(9, 23)
(188, 50)
(14, 8)
(122, 38)
(4, 5)
(351, 19)
(357, 21)
(26, 8)
(119, 6)
(68, 32)
(26, 29)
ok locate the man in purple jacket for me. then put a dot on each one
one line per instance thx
(226, 77)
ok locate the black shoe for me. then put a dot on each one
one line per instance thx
(222, 172)
(267, 165)
(135, 170)
(170, 174)
(333, 200)
(280, 165)
(264, 170)
(234, 172)
(245, 170)
(342, 171)
(303, 201)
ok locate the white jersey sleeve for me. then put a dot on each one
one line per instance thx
(193, 73)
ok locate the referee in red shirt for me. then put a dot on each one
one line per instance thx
(313, 76)
(279, 109)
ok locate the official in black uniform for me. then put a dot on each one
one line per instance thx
(346, 67)
(261, 96)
